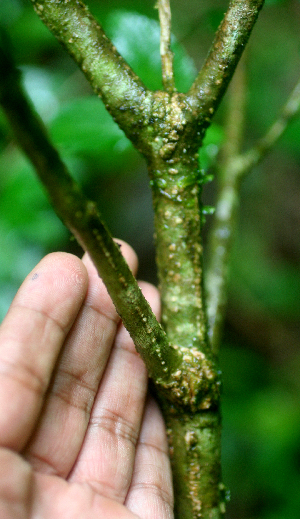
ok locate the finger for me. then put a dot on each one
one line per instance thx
(150, 495)
(78, 373)
(56, 498)
(31, 336)
(24, 494)
(96, 286)
(16, 484)
(107, 456)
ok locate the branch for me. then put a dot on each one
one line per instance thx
(165, 42)
(187, 380)
(234, 124)
(221, 235)
(209, 87)
(232, 172)
(82, 218)
(107, 72)
(251, 158)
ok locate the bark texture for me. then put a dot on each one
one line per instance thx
(167, 128)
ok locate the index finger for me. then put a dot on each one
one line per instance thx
(31, 337)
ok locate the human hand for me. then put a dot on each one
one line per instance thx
(79, 438)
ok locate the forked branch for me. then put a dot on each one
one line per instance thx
(184, 372)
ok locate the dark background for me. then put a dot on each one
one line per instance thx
(260, 357)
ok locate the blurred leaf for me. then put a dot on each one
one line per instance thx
(40, 86)
(211, 144)
(257, 279)
(29, 226)
(24, 207)
(268, 421)
(274, 2)
(267, 88)
(10, 11)
(4, 128)
(214, 17)
(249, 369)
(137, 38)
(30, 36)
(261, 431)
(17, 258)
(291, 138)
(84, 127)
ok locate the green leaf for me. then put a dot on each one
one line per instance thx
(84, 127)
(137, 38)
(258, 281)
(17, 258)
(40, 86)
(29, 226)
(24, 208)
(29, 35)
(10, 11)
(210, 147)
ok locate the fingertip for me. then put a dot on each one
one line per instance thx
(151, 293)
(127, 252)
(97, 295)
(64, 263)
(32, 336)
(61, 273)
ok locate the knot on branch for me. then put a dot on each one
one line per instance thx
(169, 120)
(195, 385)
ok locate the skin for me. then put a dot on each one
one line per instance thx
(79, 436)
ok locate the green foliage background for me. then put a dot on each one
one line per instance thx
(261, 355)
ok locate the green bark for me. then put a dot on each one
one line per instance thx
(167, 128)
(223, 57)
(193, 422)
(107, 72)
(195, 451)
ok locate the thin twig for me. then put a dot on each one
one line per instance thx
(231, 173)
(240, 165)
(165, 45)
(289, 111)
(221, 235)
(234, 124)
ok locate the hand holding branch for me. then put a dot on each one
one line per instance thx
(79, 437)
